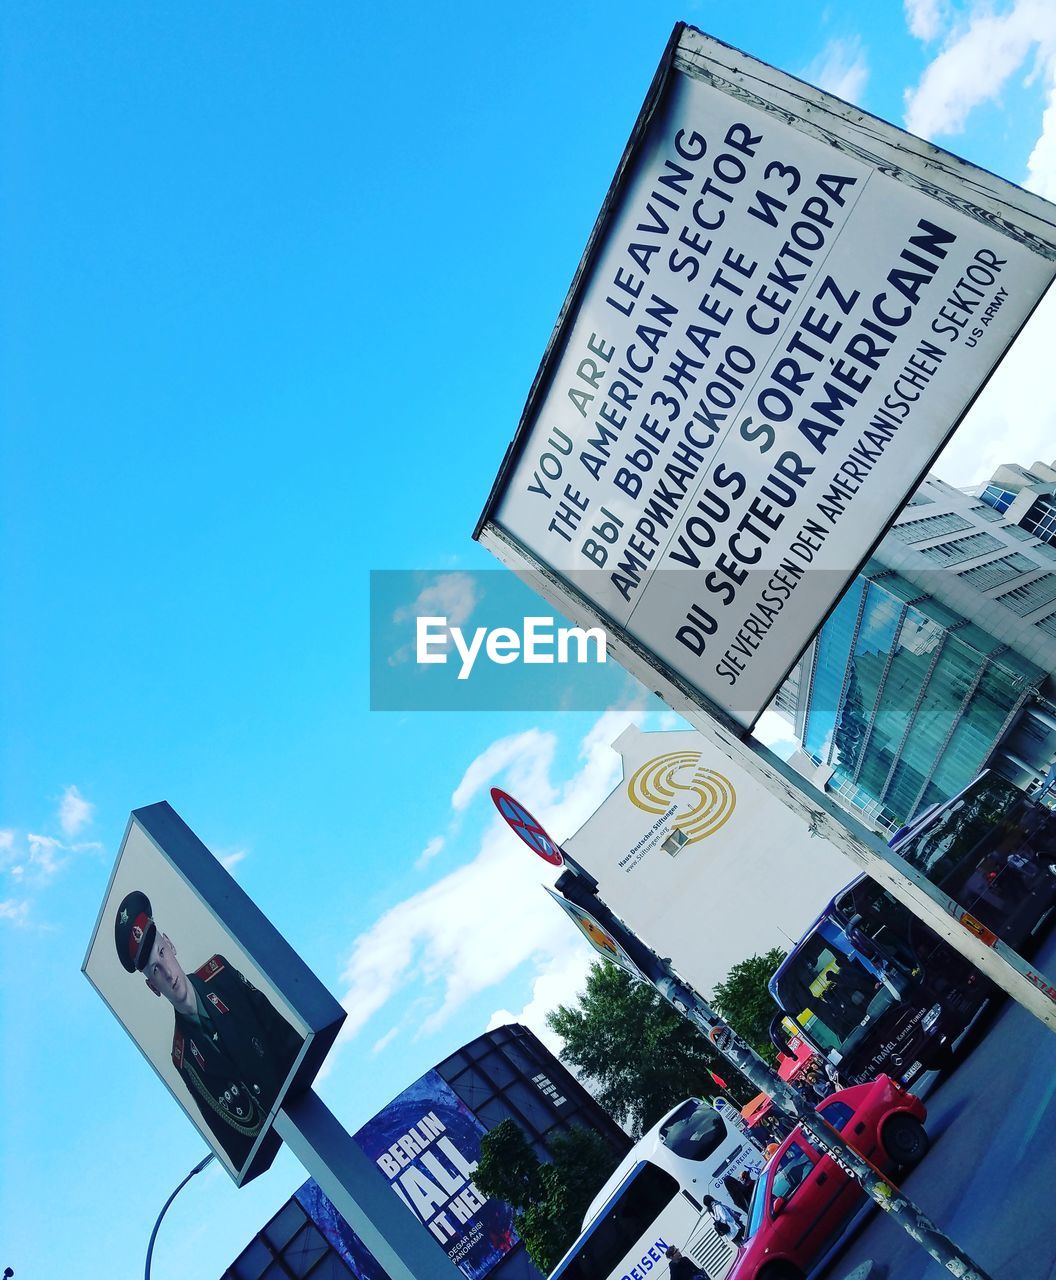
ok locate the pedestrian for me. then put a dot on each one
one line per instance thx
(724, 1220)
(681, 1267)
(739, 1191)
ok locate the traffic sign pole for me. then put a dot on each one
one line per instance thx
(610, 936)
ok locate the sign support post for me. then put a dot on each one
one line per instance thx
(608, 934)
(358, 1191)
(1005, 967)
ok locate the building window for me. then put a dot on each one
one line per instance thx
(919, 500)
(1047, 624)
(1000, 499)
(985, 577)
(1026, 599)
(975, 544)
(1017, 531)
(930, 527)
(1040, 520)
(984, 512)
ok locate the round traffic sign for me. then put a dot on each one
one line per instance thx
(525, 827)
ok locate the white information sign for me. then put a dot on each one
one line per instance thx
(784, 311)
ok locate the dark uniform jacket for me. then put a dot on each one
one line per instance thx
(236, 1061)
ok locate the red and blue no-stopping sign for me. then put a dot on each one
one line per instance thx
(525, 827)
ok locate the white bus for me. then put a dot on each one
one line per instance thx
(654, 1200)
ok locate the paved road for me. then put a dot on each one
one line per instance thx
(990, 1178)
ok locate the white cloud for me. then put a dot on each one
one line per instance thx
(385, 1040)
(977, 60)
(841, 68)
(231, 859)
(453, 596)
(1014, 418)
(15, 909)
(43, 851)
(926, 18)
(561, 981)
(432, 944)
(432, 848)
(1041, 165)
(527, 756)
(74, 811)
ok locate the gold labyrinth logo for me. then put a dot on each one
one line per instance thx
(680, 777)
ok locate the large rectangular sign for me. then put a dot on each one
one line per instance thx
(223, 1009)
(784, 310)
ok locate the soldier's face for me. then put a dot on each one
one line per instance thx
(163, 973)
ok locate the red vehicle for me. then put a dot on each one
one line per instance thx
(803, 1199)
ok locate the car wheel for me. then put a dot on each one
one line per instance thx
(905, 1140)
(780, 1271)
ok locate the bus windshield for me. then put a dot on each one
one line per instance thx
(871, 980)
(983, 847)
(831, 990)
(694, 1131)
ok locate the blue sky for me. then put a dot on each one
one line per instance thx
(276, 280)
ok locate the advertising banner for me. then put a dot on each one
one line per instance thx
(340, 1236)
(226, 1013)
(427, 1143)
(784, 310)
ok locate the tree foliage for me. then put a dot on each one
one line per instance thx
(551, 1198)
(641, 1056)
(744, 1001)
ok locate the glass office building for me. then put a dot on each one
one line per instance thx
(903, 699)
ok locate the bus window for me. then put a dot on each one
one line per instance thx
(694, 1131)
(872, 986)
(879, 928)
(834, 987)
(620, 1227)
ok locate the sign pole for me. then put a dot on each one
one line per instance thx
(610, 936)
(359, 1192)
(1003, 966)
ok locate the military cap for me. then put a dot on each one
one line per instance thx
(134, 931)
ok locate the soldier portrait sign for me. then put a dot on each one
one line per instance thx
(225, 1012)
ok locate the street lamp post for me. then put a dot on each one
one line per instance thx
(164, 1209)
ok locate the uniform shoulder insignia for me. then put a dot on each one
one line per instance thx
(210, 969)
(177, 1050)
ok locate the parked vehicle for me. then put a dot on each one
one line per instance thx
(803, 1199)
(654, 1199)
(873, 988)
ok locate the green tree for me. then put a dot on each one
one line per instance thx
(551, 1198)
(744, 1001)
(641, 1056)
